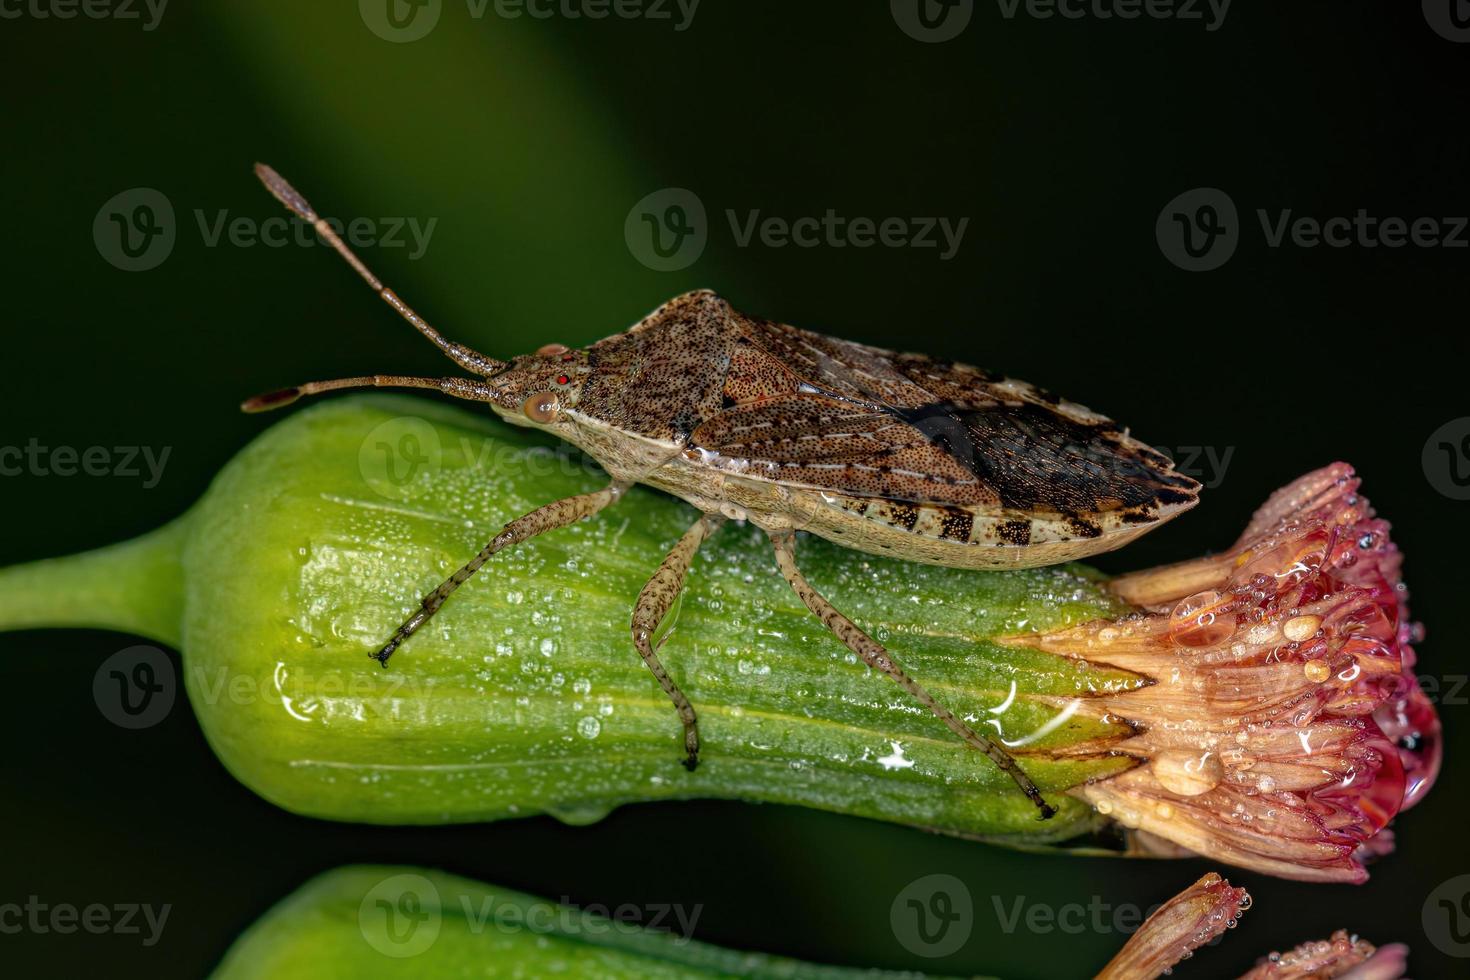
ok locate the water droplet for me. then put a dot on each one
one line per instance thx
(1300, 628)
(589, 727)
(1201, 620)
(1188, 773)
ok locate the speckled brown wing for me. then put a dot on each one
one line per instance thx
(932, 448)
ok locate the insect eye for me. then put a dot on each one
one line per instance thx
(541, 407)
(563, 380)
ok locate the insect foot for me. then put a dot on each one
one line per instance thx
(874, 655)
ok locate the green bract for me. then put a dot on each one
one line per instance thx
(412, 922)
(525, 695)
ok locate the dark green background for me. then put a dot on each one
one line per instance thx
(530, 140)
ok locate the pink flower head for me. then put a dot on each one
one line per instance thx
(1284, 727)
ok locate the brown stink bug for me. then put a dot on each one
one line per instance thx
(747, 419)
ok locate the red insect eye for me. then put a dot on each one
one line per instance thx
(562, 379)
(568, 358)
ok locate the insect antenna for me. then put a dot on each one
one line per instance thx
(466, 388)
(466, 357)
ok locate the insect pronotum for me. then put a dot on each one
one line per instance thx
(747, 419)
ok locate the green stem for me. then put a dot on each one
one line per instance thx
(410, 922)
(133, 587)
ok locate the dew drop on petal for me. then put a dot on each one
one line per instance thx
(1200, 620)
(1299, 628)
(1188, 773)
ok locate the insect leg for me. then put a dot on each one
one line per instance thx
(569, 510)
(654, 602)
(875, 656)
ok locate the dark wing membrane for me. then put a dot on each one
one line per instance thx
(964, 437)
